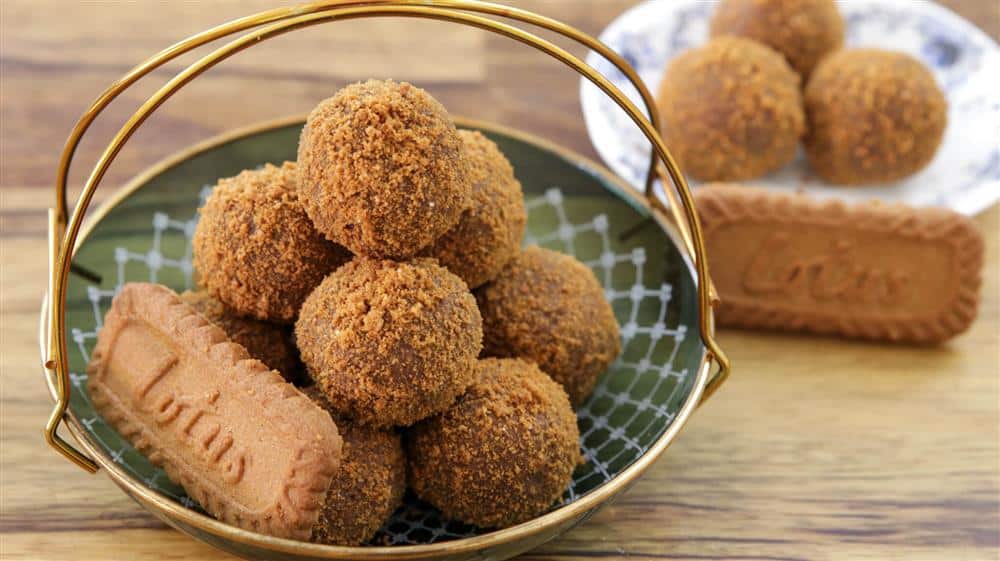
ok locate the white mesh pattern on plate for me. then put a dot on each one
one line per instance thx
(617, 424)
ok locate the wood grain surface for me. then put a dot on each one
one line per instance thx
(816, 449)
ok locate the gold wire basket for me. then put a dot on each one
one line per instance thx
(678, 216)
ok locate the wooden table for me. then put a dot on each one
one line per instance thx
(816, 449)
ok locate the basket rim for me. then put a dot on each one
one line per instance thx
(568, 513)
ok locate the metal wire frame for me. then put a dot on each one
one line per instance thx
(242, 24)
(63, 235)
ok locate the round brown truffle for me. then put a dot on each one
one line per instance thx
(874, 117)
(368, 486)
(804, 31)
(548, 307)
(255, 248)
(382, 169)
(503, 453)
(390, 343)
(731, 110)
(489, 233)
(266, 342)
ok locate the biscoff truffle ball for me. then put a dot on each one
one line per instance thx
(368, 486)
(488, 235)
(382, 170)
(503, 453)
(266, 342)
(804, 31)
(255, 248)
(874, 117)
(731, 110)
(389, 342)
(549, 308)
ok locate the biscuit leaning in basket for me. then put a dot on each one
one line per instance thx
(868, 271)
(249, 447)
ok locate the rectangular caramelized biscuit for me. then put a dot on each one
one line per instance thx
(249, 447)
(869, 271)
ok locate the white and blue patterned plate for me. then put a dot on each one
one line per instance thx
(965, 173)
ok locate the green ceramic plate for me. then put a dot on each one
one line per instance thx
(574, 206)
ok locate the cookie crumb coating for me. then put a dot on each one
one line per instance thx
(388, 342)
(804, 31)
(489, 233)
(255, 248)
(874, 117)
(731, 110)
(382, 169)
(367, 488)
(266, 342)
(549, 308)
(503, 453)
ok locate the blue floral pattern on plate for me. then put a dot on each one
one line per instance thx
(965, 173)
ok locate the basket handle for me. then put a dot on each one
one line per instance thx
(271, 16)
(64, 233)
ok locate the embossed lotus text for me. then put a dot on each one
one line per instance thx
(833, 274)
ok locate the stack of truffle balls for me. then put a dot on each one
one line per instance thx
(393, 246)
(774, 73)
